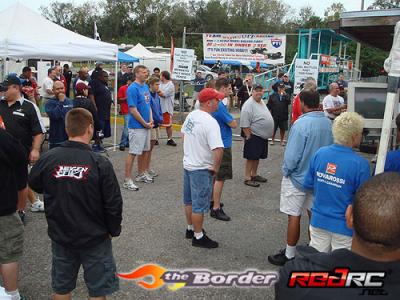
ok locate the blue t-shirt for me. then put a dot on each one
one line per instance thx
(223, 118)
(393, 161)
(335, 174)
(139, 97)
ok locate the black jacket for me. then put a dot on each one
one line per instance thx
(13, 171)
(82, 198)
(279, 107)
(309, 259)
(102, 97)
(87, 104)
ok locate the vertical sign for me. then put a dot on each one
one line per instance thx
(183, 64)
(304, 68)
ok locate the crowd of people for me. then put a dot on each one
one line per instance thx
(321, 173)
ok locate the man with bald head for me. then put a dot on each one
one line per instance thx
(374, 219)
(56, 109)
(333, 104)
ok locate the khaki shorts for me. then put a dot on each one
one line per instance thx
(293, 201)
(155, 134)
(326, 241)
(11, 238)
(225, 170)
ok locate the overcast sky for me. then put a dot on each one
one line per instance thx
(319, 6)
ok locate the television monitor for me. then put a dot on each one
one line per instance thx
(369, 100)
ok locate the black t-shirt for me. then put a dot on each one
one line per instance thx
(102, 97)
(279, 106)
(13, 162)
(21, 120)
(88, 104)
(308, 259)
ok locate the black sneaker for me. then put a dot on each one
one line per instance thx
(190, 233)
(204, 242)
(212, 205)
(171, 142)
(122, 148)
(219, 214)
(156, 143)
(279, 259)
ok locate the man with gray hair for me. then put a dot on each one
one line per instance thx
(310, 84)
(333, 104)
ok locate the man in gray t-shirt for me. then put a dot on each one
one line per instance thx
(257, 125)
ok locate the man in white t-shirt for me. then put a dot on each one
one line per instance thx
(47, 86)
(203, 149)
(167, 96)
(333, 104)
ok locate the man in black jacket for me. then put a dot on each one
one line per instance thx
(83, 207)
(278, 104)
(13, 162)
(375, 250)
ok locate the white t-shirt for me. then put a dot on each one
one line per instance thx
(167, 102)
(47, 85)
(201, 135)
(331, 102)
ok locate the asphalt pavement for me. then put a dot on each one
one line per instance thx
(153, 230)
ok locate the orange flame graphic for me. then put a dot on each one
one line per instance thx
(155, 271)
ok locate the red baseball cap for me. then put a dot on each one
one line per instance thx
(209, 94)
(80, 87)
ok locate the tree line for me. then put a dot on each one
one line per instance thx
(154, 22)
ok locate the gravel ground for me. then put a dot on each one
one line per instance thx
(154, 227)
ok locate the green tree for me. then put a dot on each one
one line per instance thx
(332, 13)
(385, 4)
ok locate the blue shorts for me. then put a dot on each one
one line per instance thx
(197, 190)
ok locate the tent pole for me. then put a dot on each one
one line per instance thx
(115, 105)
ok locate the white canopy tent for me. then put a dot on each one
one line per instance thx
(25, 34)
(150, 59)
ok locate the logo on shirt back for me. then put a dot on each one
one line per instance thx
(331, 169)
(76, 172)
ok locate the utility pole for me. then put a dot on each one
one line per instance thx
(181, 87)
(358, 52)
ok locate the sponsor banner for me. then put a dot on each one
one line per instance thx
(329, 64)
(304, 68)
(263, 48)
(183, 64)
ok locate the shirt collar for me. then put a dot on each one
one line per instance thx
(20, 100)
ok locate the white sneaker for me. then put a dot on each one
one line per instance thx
(128, 184)
(152, 173)
(38, 206)
(144, 177)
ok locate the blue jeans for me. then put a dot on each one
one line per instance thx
(197, 190)
(125, 135)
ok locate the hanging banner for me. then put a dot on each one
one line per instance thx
(328, 64)
(263, 48)
(304, 68)
(183, 64)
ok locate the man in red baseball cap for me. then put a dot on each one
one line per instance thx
(202, 155)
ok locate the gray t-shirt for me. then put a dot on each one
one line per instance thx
(257, 116)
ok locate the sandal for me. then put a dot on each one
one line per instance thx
(259, 178)
(251, 183)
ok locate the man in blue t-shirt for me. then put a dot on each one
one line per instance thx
(393, 157)
(336, 173)
(226, 123)
(139, 125)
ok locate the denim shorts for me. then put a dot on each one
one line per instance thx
(197, 190)
(99, 269)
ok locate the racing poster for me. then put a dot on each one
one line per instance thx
(263, 48)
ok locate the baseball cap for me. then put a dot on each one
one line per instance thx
(80, 87)
(281, 85)
(257, 86)
(99, 63)
(11, 80)
(209, 94)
